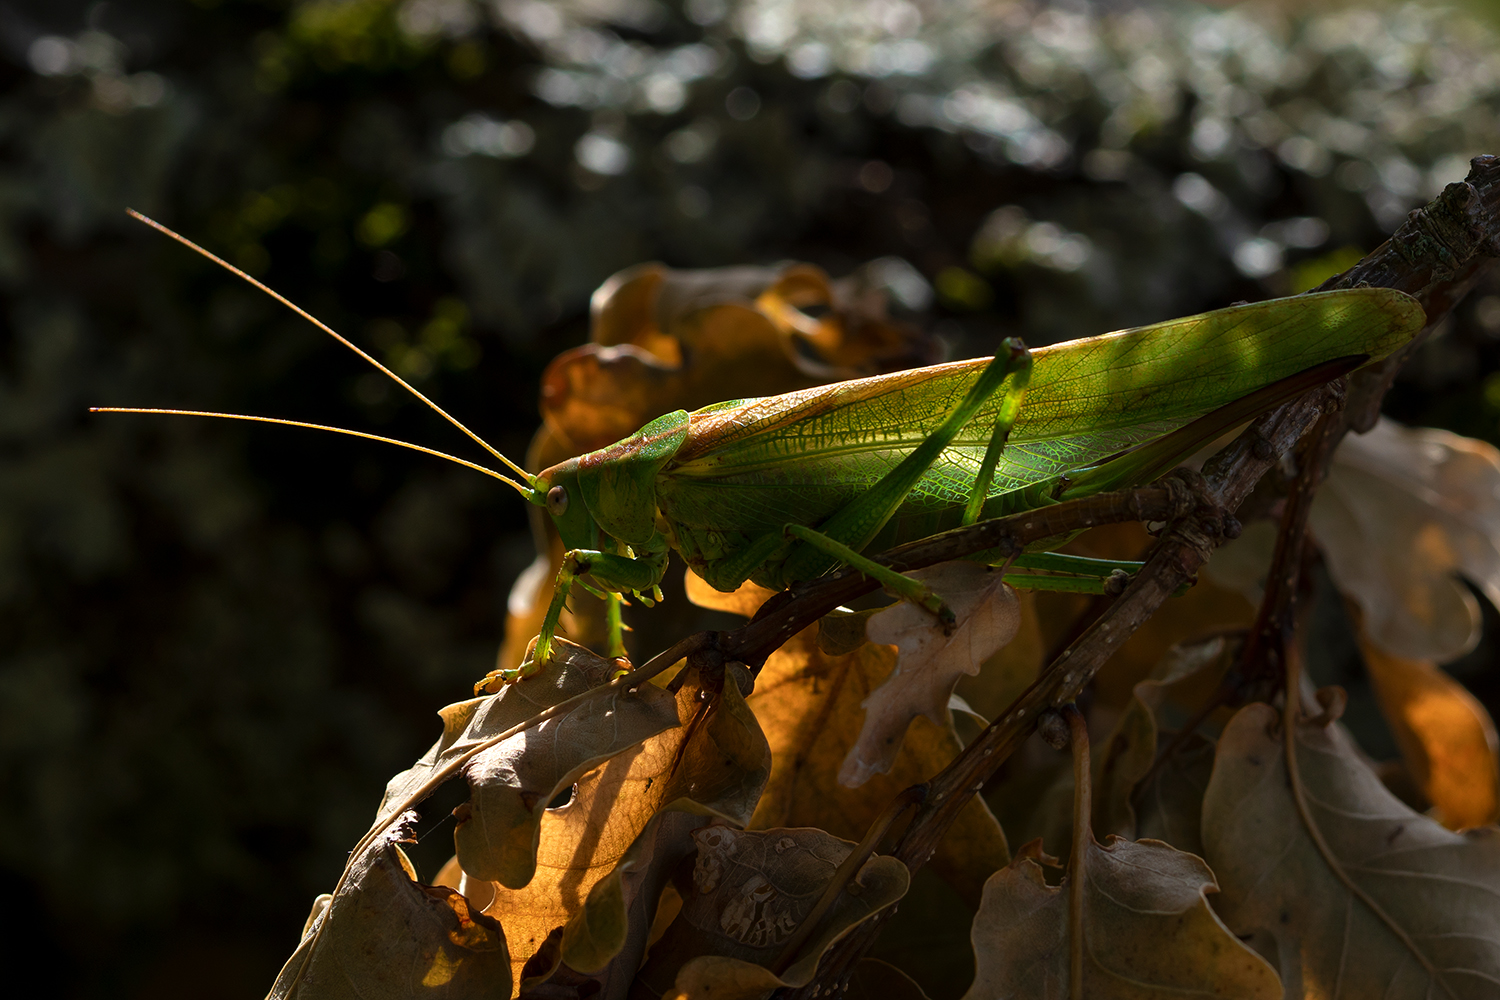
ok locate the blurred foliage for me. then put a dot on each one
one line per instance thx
(219, 640)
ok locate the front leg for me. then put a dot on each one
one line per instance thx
(615, 573)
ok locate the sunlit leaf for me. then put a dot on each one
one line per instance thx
(511, 783)
(1446, 737)
(600, 948)
(386, 936)
(1442, 889)
(1404, 512)
(746, 600)
(929, 663)
(747, 894)
(808, 702)
(716, 760)
(1148, 931)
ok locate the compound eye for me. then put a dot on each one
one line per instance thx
(557, 501)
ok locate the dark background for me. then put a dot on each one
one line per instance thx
(217, 642)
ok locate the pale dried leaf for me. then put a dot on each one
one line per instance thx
(1442, 888)
(511, 783)
(714, 977)
(808, 702)
(1011, 669)
(429, 940)
(930, 663)
(1149, 933)
(746, 896)
(716, 758)
(1403, 512)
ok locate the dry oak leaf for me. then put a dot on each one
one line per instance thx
(511, 783)
(1403, 513)
(1149, 932)
(1170, 808)
(747, 894)
(1441, 888)
(929, 663)
(600, 948)
(1446, 736)
(385, 936)
(807, 701)
(716, 760)
(1012, 669)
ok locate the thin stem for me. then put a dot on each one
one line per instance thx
(846, 871)
(1083, 839)
(525, 476)
(1266, 647)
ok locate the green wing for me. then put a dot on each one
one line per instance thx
(758, 464)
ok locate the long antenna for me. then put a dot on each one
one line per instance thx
(525, 476)
(318, 427)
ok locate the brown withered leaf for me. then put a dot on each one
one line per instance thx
(593, 396)
(716, 759)
(1149, 932)
(1440, 888)
(1170, 807)
(429, 940)
(808, 702)
(1446, 736)
(511, 783)
(600, 948)
(665, 340)
(929, 663)
(746, 896)
(1403, 513)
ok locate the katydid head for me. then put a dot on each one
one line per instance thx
(562, 496)
(612, 490)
